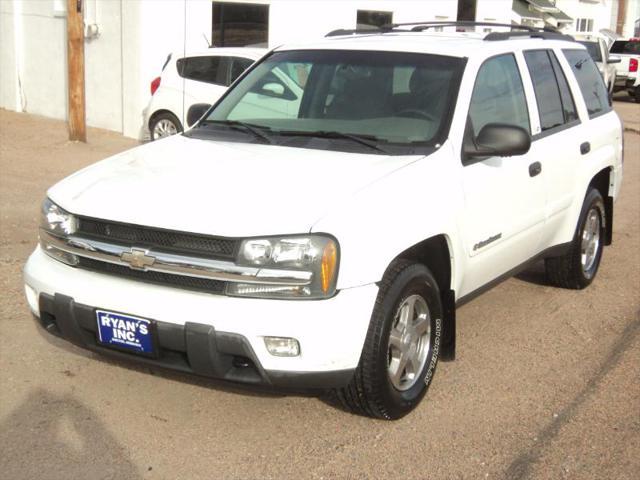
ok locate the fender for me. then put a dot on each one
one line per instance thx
(372, 229)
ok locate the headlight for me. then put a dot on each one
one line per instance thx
(61, 223)
(56, 220)
(317, 254)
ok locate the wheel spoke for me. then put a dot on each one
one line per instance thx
(421, 326)
(405, 314)
(395, 340)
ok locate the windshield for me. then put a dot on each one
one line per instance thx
(594, 50)
(626, 46)
(397, 102)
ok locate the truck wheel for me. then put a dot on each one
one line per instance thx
(637, 94)
(578, 267)
(163, 125)
(401, 349)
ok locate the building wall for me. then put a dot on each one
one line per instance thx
(135, 37)
(494, 11)
(600, 11)
(33, 82)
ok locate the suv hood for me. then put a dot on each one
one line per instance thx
(221, 188)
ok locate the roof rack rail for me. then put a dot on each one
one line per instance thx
(493, 36)
(546, 32)
(420, 26)
(358, 31)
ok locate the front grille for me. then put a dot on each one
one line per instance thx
(137, 236)
(167, 279)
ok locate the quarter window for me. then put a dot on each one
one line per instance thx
(498, 95)
(203, 69)
(590, 81)
(238, 66)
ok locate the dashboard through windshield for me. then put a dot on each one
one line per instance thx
(390, 102)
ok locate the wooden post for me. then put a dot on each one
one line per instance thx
(622, 16)
(75, 63)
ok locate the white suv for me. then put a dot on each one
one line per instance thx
(188, 79)
(323, 238)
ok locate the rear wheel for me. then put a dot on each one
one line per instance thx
(402, 345)
(578, 267)
(164, 125)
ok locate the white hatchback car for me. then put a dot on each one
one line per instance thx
(187, 79)
(321, 232)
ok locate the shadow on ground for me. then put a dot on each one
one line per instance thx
(64, 438)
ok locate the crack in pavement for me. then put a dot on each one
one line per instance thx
(520, 467)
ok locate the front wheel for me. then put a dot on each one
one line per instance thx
(578, 267)
(401, 349)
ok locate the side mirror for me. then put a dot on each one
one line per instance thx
(272, 89)
(614, 59)
(498, 140)
(195, 113)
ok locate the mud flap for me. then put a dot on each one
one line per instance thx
(448, 350)
(608, 212)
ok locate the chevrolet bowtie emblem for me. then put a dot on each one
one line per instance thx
(138, 259)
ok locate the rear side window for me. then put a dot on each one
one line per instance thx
(546, 88)
(590, 81)
(238, 66)
(498, 95)
(594, 50)
(625, 46)
(555, 104)
(203, 69)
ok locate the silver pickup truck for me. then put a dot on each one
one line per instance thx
(627, 77)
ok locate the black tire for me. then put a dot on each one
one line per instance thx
(637, 94)
(371, 391)
(169, 119)
(569, 270)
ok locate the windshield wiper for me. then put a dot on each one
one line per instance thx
(366, 140)
(255, 130)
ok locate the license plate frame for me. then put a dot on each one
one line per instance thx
(126, 333)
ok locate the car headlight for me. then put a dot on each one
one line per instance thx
(59, 222)
(56, 220)
(316, 254)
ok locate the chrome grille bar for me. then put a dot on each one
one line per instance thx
(170, 263)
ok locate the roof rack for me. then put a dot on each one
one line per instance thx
(548, 33)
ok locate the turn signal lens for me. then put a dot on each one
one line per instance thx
(328, 266)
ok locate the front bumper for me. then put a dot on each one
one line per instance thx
(206, 334)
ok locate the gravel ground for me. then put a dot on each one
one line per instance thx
(546, 384)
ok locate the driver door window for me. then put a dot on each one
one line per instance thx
(498, 95)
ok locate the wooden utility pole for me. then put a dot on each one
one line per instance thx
(75, 63)
(622, 16)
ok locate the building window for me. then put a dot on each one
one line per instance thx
(240, 24)
(371, 18)
(584, 25)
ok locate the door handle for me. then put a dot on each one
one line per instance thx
(585, 148)
(534, 169)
